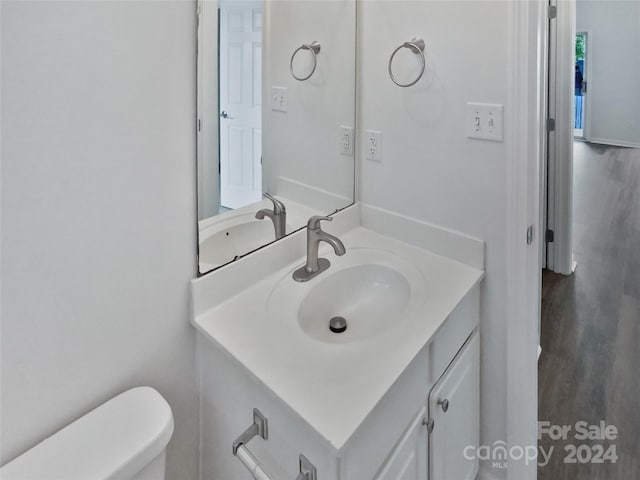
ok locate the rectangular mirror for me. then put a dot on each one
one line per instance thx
(276, 120)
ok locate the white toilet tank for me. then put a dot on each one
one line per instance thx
(124, 438)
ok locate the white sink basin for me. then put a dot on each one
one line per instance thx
(373, 290)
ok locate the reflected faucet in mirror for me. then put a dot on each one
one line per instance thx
(278, 216)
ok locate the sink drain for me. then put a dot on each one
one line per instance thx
(338, 324)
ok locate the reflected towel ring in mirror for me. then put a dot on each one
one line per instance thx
(417, 46)
(314, 48)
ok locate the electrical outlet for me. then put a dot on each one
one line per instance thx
(484, 121)
(280, 99)
(373, 145)
(346, 140)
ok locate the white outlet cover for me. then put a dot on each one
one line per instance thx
(346, 140)
(373, 145)
(279, 99)
(485, 121)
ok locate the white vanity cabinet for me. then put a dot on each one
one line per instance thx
(454, 413)
(395, 440)
(409, 460)
(434, 444)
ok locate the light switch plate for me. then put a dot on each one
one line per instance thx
(484, 121)
(279, 99)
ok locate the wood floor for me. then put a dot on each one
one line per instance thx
(590, 366)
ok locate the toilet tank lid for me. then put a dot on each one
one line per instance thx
(116, 440)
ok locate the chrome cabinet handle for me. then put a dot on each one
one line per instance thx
(444, 404)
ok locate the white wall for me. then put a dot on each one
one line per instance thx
(98, 213)
(429, 170)
(613, 71)
(303, 143)
(208, 112)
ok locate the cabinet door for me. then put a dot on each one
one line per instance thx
(409, 458)
(454, 408)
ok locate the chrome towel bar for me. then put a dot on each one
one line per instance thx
(416, 45)
(251, 464)
(260, 428)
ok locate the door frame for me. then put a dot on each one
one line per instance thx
(525, 181)
(559, 178)
(208, 155)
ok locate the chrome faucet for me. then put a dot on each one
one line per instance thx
(315, 235)
(278, 216)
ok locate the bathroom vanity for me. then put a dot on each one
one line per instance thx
(362, 364)
(394, 396)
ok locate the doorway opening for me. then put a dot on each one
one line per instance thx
(590, 334)
(580, 88)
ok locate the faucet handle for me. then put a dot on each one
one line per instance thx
(278, 206)
(314, 222)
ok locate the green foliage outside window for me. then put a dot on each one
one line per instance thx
(579, 47)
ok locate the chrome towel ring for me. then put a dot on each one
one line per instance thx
(314, 48)
(416, 45)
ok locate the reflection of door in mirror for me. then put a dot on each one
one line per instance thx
(240, 61)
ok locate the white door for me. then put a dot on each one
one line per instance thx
(454, 407)
(561, 96)
(240, 102)
(409, 458)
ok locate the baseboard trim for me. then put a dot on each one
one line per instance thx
(614, 143)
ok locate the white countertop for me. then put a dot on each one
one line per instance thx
(333, 387)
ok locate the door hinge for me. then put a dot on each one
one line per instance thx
(548, 236)
(553, 11)
(199, 125)
(429, 423)
(530, 235)
(584, 87)
(551, 124)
